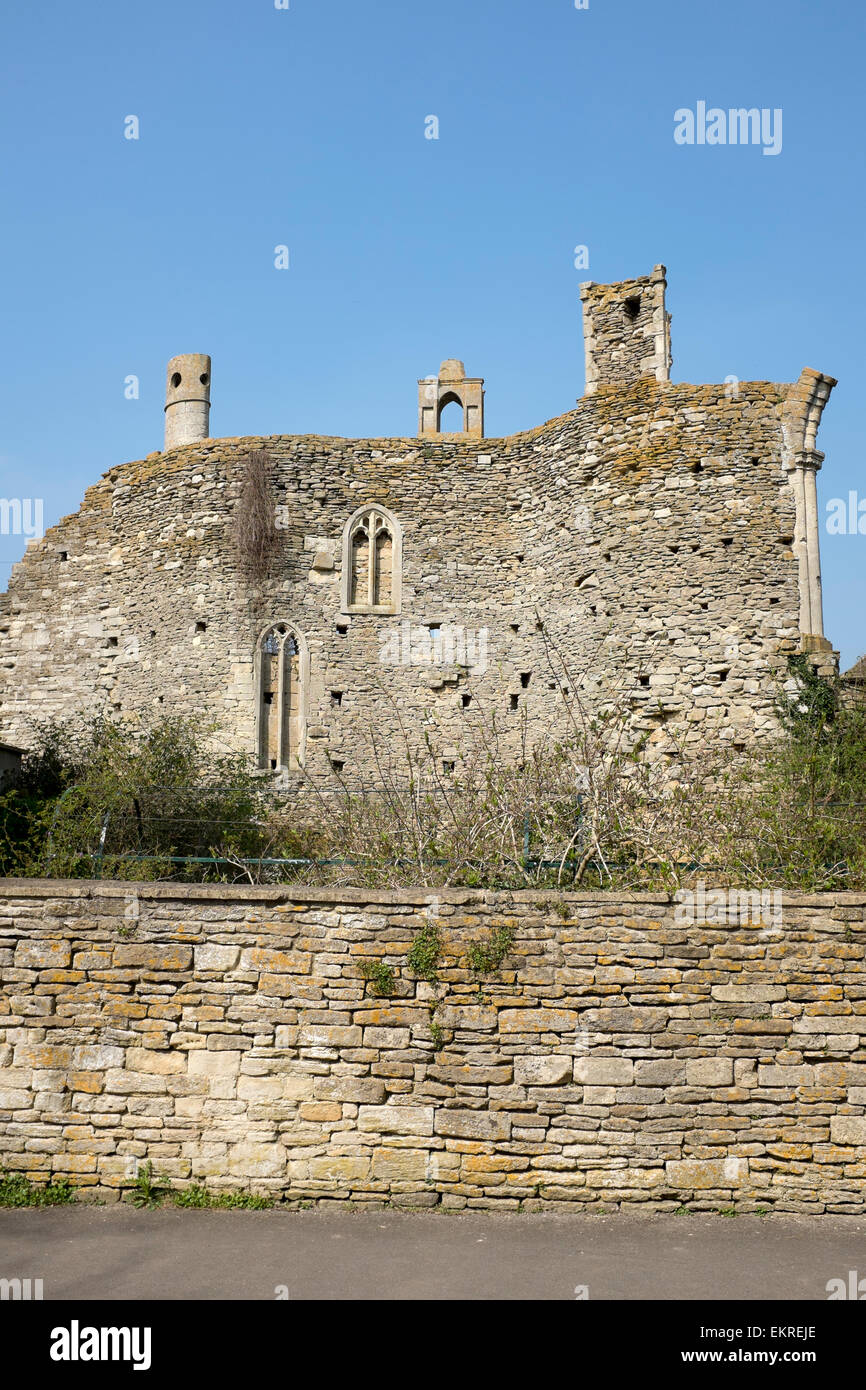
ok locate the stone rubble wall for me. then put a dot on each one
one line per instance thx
(646, 537)
(618, 1055)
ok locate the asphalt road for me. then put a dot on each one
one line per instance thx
(123, 1253)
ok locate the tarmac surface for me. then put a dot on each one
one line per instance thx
(118, 1252)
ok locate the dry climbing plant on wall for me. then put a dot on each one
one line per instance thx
(256, 538)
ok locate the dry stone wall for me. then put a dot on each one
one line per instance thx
(619, 1054)
(646, 537)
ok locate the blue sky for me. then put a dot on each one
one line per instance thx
(305, 127)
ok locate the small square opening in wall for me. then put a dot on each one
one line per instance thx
(267, 697)
(201, 627)
(342, 628)
(727, 540)
(644, 680)
(525, 678)
(336, 698)
(337, 764)
(466, 701)
(632, 307)
(64, 555)
(515, 701)
(515, 627)
(112, 642)
(448, 765)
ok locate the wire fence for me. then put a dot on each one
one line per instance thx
(271, 834)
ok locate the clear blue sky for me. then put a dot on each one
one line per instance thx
(305, 126)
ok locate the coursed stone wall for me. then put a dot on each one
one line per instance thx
(628, 1049)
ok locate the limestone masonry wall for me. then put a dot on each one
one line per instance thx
(618, 1055)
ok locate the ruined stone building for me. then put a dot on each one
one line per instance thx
(656, 546)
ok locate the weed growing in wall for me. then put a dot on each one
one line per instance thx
(425, 953)
(485, 957)
(380, 975)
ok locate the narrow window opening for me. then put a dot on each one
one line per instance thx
(525, 678)
(336, 697)
(723, 675)
(514, 701)
(280, 717)
(175, 380)
(632, 307)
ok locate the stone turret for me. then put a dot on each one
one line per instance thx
(627, 331)
(452, 384)
(187, 399)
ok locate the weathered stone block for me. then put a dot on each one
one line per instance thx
(217, 958)
(472, 1124)
(604, 1071)
(153, 956)
(537, 1020)
(357, 1090)
(42, 955)
(542, 1071)
(699, 1173)
(396, 1119)
(848, 1129)
(710, 1071)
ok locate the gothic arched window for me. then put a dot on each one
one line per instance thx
(372, 562)
(281, 690)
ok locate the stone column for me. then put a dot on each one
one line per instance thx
(806, 465)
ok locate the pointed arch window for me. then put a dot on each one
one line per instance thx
(372, 562)
(282, 666)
